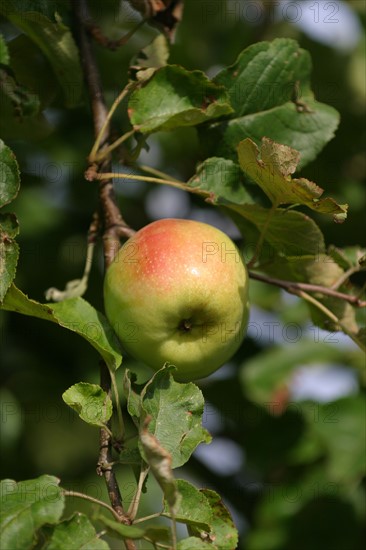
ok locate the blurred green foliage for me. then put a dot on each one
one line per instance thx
(301, 480)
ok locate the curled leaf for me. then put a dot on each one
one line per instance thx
(160, 462)
(271, 167)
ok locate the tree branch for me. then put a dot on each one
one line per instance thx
(293, 287)
(114, 227)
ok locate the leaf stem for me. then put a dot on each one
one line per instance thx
(147, 518)
(171, 182)
(109, 148)
(91, 499)
(132, 511)
(104, 127)
(158, 173)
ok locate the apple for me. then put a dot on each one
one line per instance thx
(177, 292)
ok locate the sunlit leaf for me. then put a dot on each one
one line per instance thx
(176, 97)
(75, 314)
(176, 415)
(269, 87)
(92, 404)
(223, 532)
(271, 168)
(193, 509)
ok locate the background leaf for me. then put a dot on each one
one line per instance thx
(55, 41)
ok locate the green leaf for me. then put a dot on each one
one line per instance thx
(74, 314)
(132, 396)
(25, 507)
(222, 529)
(9, 175)
(289, 233)
(176, 414)
(9, 251)
(194, 507)
(92, 404)
(271, 167)
(157, 533)
(176, 97)
(264, 86)
(76, 533)
(151, 533)
(124, 531)
(308, 133)
(54, 39)
(220, 179)
(264, 75)
(195, 543)
(151, 58)
(4, 52)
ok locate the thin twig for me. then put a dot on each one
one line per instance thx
(107, 150)
(91, 499)
(114, 225)
(147, 518)
(105, 456)
(105, 125)
(292, 286)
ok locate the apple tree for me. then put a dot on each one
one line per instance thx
(116, 114)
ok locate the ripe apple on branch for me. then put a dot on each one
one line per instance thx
(177, 291)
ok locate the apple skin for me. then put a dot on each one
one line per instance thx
(177, 292)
